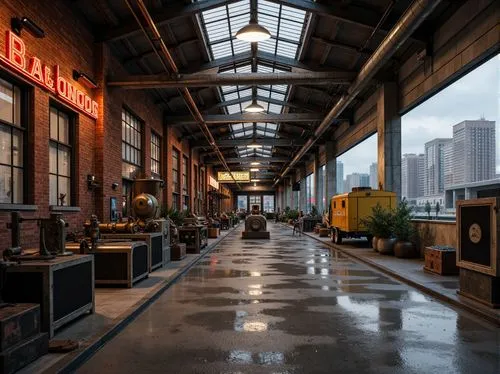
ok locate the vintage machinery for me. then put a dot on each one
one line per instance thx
(478, 252)
(63, 286)
(349, 209)
(145, 225)
(52, 238)
(255, 225)
(193, 234)
(21, 341)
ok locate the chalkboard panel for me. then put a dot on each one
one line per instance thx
(475, 234)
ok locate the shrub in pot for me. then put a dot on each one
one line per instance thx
(379, 225)
(404, 231)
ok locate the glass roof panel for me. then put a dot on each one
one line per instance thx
(286, 26)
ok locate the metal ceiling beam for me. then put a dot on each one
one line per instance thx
(262, 141)
(245, 117)
(151, 52)
(234, 160)
(207, 80)
(354, 15)
(244, 99)
(343, 46)
(245, 58)
(129, 27)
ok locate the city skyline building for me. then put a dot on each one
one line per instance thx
(412, 175)
(374, 175)
(434, 166)
(340, 177)
(356, 180)
(474, 150)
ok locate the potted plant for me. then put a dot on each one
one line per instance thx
(176, 216)
(379, 224)
(292, 215)
(404, 231)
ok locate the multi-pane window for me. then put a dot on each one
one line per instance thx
(268, 203)
(185, 176)
(11, 144)
(155, 154)
(131, 145)
(175, 179)
(60, 149)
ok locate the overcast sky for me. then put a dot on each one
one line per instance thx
(475, 95)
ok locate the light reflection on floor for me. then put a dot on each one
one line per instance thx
(289, 306)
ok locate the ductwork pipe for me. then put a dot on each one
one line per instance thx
(406, 26)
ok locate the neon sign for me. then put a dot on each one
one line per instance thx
(45, 76)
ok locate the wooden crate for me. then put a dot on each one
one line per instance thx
(178, 251)
(213, 232)
(441, 261)
(64, 288)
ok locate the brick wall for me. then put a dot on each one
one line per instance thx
(69, 44)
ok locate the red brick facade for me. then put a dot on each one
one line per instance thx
(97, 144)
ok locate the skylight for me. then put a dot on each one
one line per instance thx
(286, 27)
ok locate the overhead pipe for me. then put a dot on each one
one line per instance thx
(172, 68)
(404, 28)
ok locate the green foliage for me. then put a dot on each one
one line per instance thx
(176, 216)
(380, 222)
(292, 214)
(402, 228)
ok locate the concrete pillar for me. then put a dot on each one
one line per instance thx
(389, 138)
(317, 192)
(331, 172)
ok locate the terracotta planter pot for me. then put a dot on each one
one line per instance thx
(374, 243)
(405, 250)
(385, 246)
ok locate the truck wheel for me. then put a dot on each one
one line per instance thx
(337, 236)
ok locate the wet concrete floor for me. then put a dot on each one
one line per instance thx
(293, 305)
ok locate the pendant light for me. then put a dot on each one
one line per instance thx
(253, 32)
(254, 107)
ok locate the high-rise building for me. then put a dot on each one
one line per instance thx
(356, 180)
(448, 164)
(340, 177)
(374, 176)
(473, 151)
(412, 175)
(434, 166)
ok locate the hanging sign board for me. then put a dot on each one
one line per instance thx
(47, 77)
(239, 176)
(212, 182)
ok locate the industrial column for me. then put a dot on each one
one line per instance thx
(317, 192)
(331, 172)
(389, 138)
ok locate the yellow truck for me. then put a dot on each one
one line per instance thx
(348, 209)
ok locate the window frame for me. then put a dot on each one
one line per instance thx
(72, 119)
(155, 135)
(139, 167)
(176, 186)
(25, 127)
